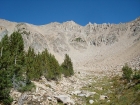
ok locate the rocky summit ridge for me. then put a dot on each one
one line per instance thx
(96, 47)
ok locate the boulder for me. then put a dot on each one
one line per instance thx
(65, 99)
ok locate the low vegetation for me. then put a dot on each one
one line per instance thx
(78, 39)
(119, 90)
(127, 88)
(18, 68)
(127, 72)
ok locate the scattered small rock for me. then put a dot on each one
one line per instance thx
(82, 95)
(103, 97)
(108, 100)
(91, 101)
(49, 98)
(76, 92)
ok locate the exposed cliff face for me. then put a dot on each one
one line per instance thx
(94, 46)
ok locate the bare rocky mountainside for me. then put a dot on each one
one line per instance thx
(91, 47)
(95, 49)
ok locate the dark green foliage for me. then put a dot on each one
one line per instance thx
(136, 79)
(136, 75)
(29, 61)
(67, 67)
(5, 86)
(5, 52)
(28, 87)
(11, 65)
(127, 72)
(53, 69)
(78, 39)
(49, 66)
(18, 68)
(16, 43)
(41, 64)
(137, 87)
(17, 48)
(5, 81)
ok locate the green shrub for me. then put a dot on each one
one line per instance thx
(78, 39)
(7, 101)
(136, 75)
(127, 72)
(137, 87)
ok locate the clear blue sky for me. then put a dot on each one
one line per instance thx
(40, 12)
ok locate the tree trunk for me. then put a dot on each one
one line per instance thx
(1, 51)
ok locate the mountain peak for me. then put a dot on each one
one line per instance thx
(69, 23)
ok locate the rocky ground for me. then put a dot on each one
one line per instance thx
(70, 90)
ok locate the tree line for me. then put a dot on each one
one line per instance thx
(18, 68)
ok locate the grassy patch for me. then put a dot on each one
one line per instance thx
(124, 93)
(101, 87)
(118, 92)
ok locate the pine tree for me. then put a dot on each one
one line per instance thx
(5, 86)
(17, 60)
(17, 48)
(5, 73)
(29, 61)
(37, 66)
(5, 52)
(54, 68)
(67, 66)
(50, 66)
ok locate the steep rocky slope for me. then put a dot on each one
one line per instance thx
(96, 47)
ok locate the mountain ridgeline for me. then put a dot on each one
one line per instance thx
(86, 45)
(18, 68)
